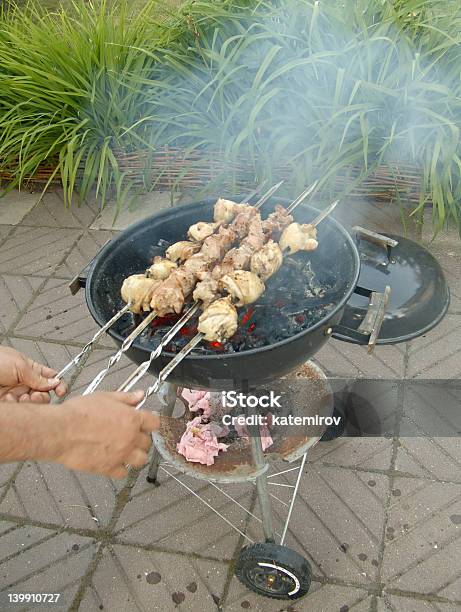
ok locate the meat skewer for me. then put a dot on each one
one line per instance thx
(170, 296)
(227, 327)
(176, 280)
(159, 270)
(275, 222)
(115, 358)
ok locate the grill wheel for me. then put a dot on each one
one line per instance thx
(273, 571)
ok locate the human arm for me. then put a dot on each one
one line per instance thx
(99, 433)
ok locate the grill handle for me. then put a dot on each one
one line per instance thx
(79, 280)
(367, 332)
(378, 239)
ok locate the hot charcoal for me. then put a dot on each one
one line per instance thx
(300, 295)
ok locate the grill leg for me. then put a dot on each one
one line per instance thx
(261, 487)
(167, 395)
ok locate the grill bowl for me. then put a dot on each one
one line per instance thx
(131, 252)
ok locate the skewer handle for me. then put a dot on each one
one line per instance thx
(169, 368)
(86, 350)
(118, 355)
(143, 367)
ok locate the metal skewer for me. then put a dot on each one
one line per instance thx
(263, 199)
(302, 196)
(169, 368)
(143, 367)
(324, 213)
(118, 355)
(142, 326)
(86, 350)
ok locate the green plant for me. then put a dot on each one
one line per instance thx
(295, 86)
(321, 88)
(71, 86)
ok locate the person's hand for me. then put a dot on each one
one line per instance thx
(103, 434)
(25, 380)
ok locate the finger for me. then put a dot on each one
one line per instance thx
(150, 421)
(25, 397)
(47, 372)
(40, 398)
(19, 390)
(118, 473)
(10, 397)
(131, 399)
(61, 389)
(31, 375)
(143, 441)
(137, 458)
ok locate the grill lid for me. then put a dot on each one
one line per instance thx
(419, 295)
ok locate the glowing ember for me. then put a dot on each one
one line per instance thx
(218, 346)
(247, 316)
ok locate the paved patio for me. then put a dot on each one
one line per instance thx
(379, 519)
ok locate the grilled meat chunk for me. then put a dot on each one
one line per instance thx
(137, 290)
(202, 230)
(180, 251)
(297, 237)
(243, 287)
(239, 258)
(219, 321)
(169, 299)
(166, 297)
(226, 210)
(206, 291)
(160, 268)
(198, 265)
(276, 222)
(267, 260)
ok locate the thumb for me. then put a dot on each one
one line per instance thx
(33, 377)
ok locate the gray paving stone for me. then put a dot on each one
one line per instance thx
(52, 494)
(15, 294)
(171, 517)
(364, 453)
(130, 579)
(4, 231)
(448, 256)
(38, 561)
(348, 360)
(7, 470)
(438, 458)
(90, 243)
(52, 212)
(399, 603)
(422, 552)
(55, 314)
(321, 598)
(436, 354)
(35, 250)
(144, 206)
(338, 522)
(15, 205)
